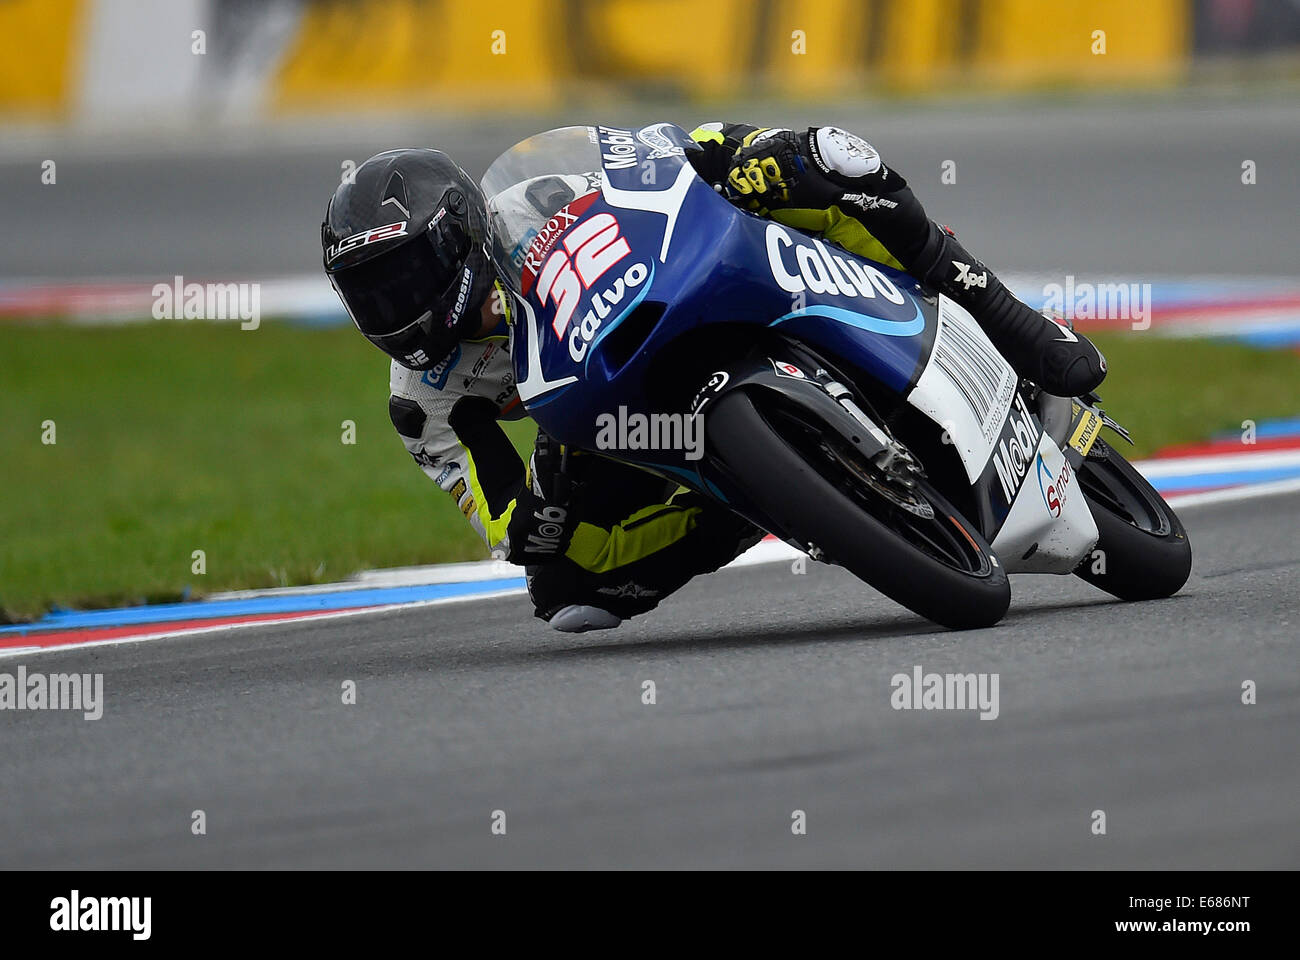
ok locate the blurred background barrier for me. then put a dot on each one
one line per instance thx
(146, 60)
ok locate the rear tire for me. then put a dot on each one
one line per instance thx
(1145, 553)
(940, 568)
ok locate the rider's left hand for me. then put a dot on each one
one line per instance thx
(777, 170)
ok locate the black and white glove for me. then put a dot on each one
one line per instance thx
(816, 169)
(545, 513)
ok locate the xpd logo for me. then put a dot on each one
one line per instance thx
(587, 251)
(968, 279)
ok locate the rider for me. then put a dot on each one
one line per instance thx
(405, 245)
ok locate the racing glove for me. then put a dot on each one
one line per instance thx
(781, 168)
(545, 512)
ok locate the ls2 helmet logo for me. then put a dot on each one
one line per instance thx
(386, 232)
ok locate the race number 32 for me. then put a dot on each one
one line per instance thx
(589, 250)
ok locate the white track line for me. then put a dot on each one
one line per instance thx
(194, 631)
(1218, 463)
(1270, 489)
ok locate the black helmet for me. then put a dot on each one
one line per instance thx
(405, 244)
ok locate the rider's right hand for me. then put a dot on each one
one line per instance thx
(545, 513)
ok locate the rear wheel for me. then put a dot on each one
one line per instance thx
(909, 543)
(1143, 552)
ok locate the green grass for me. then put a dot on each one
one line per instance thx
(1168, 391)
(180, 437)
(174, 438)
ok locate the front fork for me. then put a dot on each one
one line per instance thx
(1074, 425)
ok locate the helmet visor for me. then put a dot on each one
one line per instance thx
(387, 294)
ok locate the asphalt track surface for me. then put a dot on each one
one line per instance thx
(1125, 188)
(773, 695)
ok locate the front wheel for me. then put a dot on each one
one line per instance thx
(912, 545)
(1143, 552)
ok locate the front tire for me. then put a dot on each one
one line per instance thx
(1144, 550)
(940, 568)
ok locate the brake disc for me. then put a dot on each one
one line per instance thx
(904, 498)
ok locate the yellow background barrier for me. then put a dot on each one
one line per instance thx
(401, 54)
(39, 54)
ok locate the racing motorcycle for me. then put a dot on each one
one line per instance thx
(848, 410)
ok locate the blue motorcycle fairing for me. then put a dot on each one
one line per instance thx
(688, 253)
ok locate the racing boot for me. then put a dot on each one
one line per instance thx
(1039, 347)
